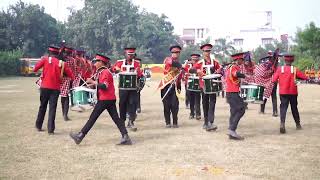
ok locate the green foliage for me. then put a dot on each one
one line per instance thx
(304, 63)
(10, 63)
(27, 27)
(108, 26)
(223, 49)
(188, 50)
(308, 42)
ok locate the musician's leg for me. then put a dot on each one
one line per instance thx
(212, 107)
(205, 105)
(112, 109)
(274, 101)
(192, 104)
(139, 102)
(174, 108)
(123, 100)
(54, 95)
(197, 105)
(98, 109)
(166, 106)
(294, 109)
(133, 101)
(187, 99)
(44, 98)
(284, 102)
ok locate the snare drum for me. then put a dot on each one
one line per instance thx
(83, 97)
(252, 93)
(194, 84)
(128, 81)
(212, 83)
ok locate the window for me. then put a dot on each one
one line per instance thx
(266, 41)
(238, 42)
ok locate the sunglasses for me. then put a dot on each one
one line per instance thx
(176, 52)
(207, 50)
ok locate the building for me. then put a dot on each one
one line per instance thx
(194, 35)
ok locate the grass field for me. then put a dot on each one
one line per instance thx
(188, 152)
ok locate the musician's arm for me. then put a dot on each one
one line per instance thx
(276, 76)
(39, 64)
(68, 72)
(301, 75)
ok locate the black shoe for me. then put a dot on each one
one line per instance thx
(175, 126)
(51, 133)
(298, 126)
(125, 140)
(191, 117)
(275, 114)
(204, 126)
(234, 136)
(198, 117)
(66, 118)
(38, 129)
(168, 126)
(211, 127)
(77, 137)
(138, 110)
(282, 128)
(132, 126)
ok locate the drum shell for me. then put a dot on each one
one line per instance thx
(194, 84)
(212, 84)
(252, 93)
(127, 81)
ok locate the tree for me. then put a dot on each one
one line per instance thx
(188, 50)
(223, 49)
(29, 28)
(308, 42)
(108, 26)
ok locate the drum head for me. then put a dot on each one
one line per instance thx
(127, 73)
(212, 76)
(82, 88)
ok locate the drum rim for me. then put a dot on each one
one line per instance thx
(127, 73)
(211, 76)
(81, 88)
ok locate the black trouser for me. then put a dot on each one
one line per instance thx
(139, 100)
(274, 101)
(285, 100)
(187, 100)
(65, 105)
(51, 96)
(170, 104)
(209, 106)
(237, 109)
(195, 98)
(128, 103)
(110, 105)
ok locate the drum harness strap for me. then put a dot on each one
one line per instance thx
(230, 75)
(293, 71)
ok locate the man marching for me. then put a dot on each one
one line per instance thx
(286, 76)
(208, 100)
(172, 79)
(237, 106)
(53, 71)
(195, 97)
(128, 98)
(186, 66)
(103, 82)
(66, 83)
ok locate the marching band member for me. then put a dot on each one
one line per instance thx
(186, 66)
(78, 67)
(195, 97)
(103, 82)
(247, 68)
(66, 83)
(286, 76)
(208, 100)
(168, 89)
(263, 77)
(141, 83)
(237, 106)
(128, 98)
(53, 71)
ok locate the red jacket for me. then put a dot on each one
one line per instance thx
(167, 67)
(120, 63)
(286, 75)
(232, 81)
(104, 76)
(187, 66)
(51, 75)
(199, 65)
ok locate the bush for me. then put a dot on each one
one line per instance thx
(10, 62)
